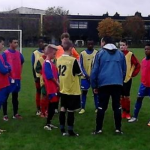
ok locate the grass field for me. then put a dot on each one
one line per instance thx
(28, 133)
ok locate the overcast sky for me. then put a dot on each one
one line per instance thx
(84, 7)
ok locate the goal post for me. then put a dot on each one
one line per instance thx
(14, 30)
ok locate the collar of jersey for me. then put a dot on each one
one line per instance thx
(65, 55)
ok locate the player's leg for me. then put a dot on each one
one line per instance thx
(127, 98)
(5, 117)
(38, 96)
(85, 84)
(62, 114)
(43, 102)
(15, 103)
(5, 93)
(3, 96)
(104, 94)
(96, 102)
(73, 105)
(51, 112)
(141, 94)
(116, 93)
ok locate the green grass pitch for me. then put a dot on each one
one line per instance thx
(28, 133)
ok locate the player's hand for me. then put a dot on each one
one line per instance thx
(95, 91)
(9, 69)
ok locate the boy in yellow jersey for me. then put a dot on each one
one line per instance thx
(133, 68)
(35, 56)
(86, 58)
(60, 51)
(69, 71)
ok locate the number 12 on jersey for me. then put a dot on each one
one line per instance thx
(62, 69)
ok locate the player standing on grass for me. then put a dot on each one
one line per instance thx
(60, 51)
(69, 71)
(4, 77)
(44, 98)
(16, 60)
(50, 77)
(133, 68)
(144, 89)
(35, 56)
(107, 76)
(86, 59)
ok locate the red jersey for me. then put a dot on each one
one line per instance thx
(14, 60)
(4, 80)
(145, 72)
(51, 87)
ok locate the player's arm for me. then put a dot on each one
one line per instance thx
(33, 70)
(76, 69)
(82, 67)
(124, 66)
(75, 53)
(38, 67)
(135, 62)
(4, 70)
(94, 72)
(22, 59)
(49, 73)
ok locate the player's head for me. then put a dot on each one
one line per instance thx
(41, 44)
(50, 51)
(67, 46)
(106, 40)
(147, 49)
(1, 43)
(65, 36)
(90, 44)
(13, 43)
(123, 44)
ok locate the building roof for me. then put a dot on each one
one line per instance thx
(26, 10)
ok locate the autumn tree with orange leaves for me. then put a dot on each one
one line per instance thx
(110, 27)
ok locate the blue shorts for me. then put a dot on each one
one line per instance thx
(85, 84)
(143, 91)
(15, 87)
(4, 93)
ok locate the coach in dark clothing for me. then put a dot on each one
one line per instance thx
(107, 78)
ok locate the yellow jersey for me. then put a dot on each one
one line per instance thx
(37, 55)
(69, 83)
(130, 68)
(87, 61)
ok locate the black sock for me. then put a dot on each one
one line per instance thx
(51, 112)
(70, 120)
(62, 119)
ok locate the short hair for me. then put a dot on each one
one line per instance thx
(40, 40)
(107, 39)
(90, 39)
(124, 41)
(67, 44)
(11, 39)
(147, 44)
(50, 47)
(1, 39)
(65, 35)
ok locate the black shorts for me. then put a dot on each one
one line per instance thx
(70, 102)
(126, 88)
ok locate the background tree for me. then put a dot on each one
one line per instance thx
(110, 27)
(55, 22)
(57, 11)
(134, 28)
